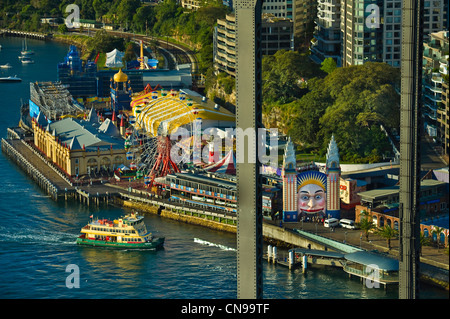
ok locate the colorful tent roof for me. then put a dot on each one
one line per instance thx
(224, 166)
(162, 110)
(114, 59)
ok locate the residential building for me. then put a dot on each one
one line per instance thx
(305, 12)
(276, 33)
(435, 66)
(370, 30)
(279, 8)
(191, 4)
(362, 36)
(434, 17)
(392, 18)
(442, 126)
(327, 35)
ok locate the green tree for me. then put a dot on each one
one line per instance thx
(282, 74)
(437, 231)
(62, 28)
(388, 233)
(126, 10)
(101, 7)
(328, 65)
(103, 42)
(129, 54)
(144, 19)
(350, 103)
(366, 224)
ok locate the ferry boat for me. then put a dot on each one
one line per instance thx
(126, 232)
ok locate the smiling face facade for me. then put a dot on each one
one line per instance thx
(311, 199)
(311, 192)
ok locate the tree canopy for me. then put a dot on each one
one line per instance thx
(351, 103)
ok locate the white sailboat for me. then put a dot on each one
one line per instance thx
(25, 50)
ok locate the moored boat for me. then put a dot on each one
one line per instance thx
(126, 232)
(10, 79)
(6, 66)
(26, 60)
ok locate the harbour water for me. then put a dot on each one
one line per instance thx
(37, 235)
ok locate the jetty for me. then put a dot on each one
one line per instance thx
(25, 34)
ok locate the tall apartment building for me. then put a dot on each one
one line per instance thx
(305, 12)
(435, 97)
(443, 115)
(327, 35)
(278, 8)
(362, 38)
(370, 30)
(276, 34)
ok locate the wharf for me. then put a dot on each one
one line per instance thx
(26, 34)
(50, 178)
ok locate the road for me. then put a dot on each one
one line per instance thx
(429, 156)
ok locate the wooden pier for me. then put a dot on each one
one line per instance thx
(50, 179)
(25, 34)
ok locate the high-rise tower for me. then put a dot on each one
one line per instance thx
(333, 179)
(289, 176)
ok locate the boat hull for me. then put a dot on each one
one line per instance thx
(154, 244)
(10, 80)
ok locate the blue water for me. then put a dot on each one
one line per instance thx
(37, 235)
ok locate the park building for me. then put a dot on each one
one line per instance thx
(382, 205)
(80, 147)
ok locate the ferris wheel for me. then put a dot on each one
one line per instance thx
(156, 115)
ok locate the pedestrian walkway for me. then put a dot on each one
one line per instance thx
(430, 255)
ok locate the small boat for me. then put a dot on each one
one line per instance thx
(6, 66)
(25, 51)
(126, 232)
(10, 79)
(27, 60)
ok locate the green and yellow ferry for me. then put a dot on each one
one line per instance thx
(126, 232)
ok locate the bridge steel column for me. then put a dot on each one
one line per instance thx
(249, 119)
(411, 80)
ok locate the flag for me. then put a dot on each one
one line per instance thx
(92, 216)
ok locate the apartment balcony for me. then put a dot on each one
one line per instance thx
(325, 40)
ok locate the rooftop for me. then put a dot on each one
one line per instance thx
(93, 136)
(370, 258)
(392, 190)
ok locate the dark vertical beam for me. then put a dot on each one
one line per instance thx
(411, 89)
(248, 117)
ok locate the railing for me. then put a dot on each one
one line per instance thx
(373, 274)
